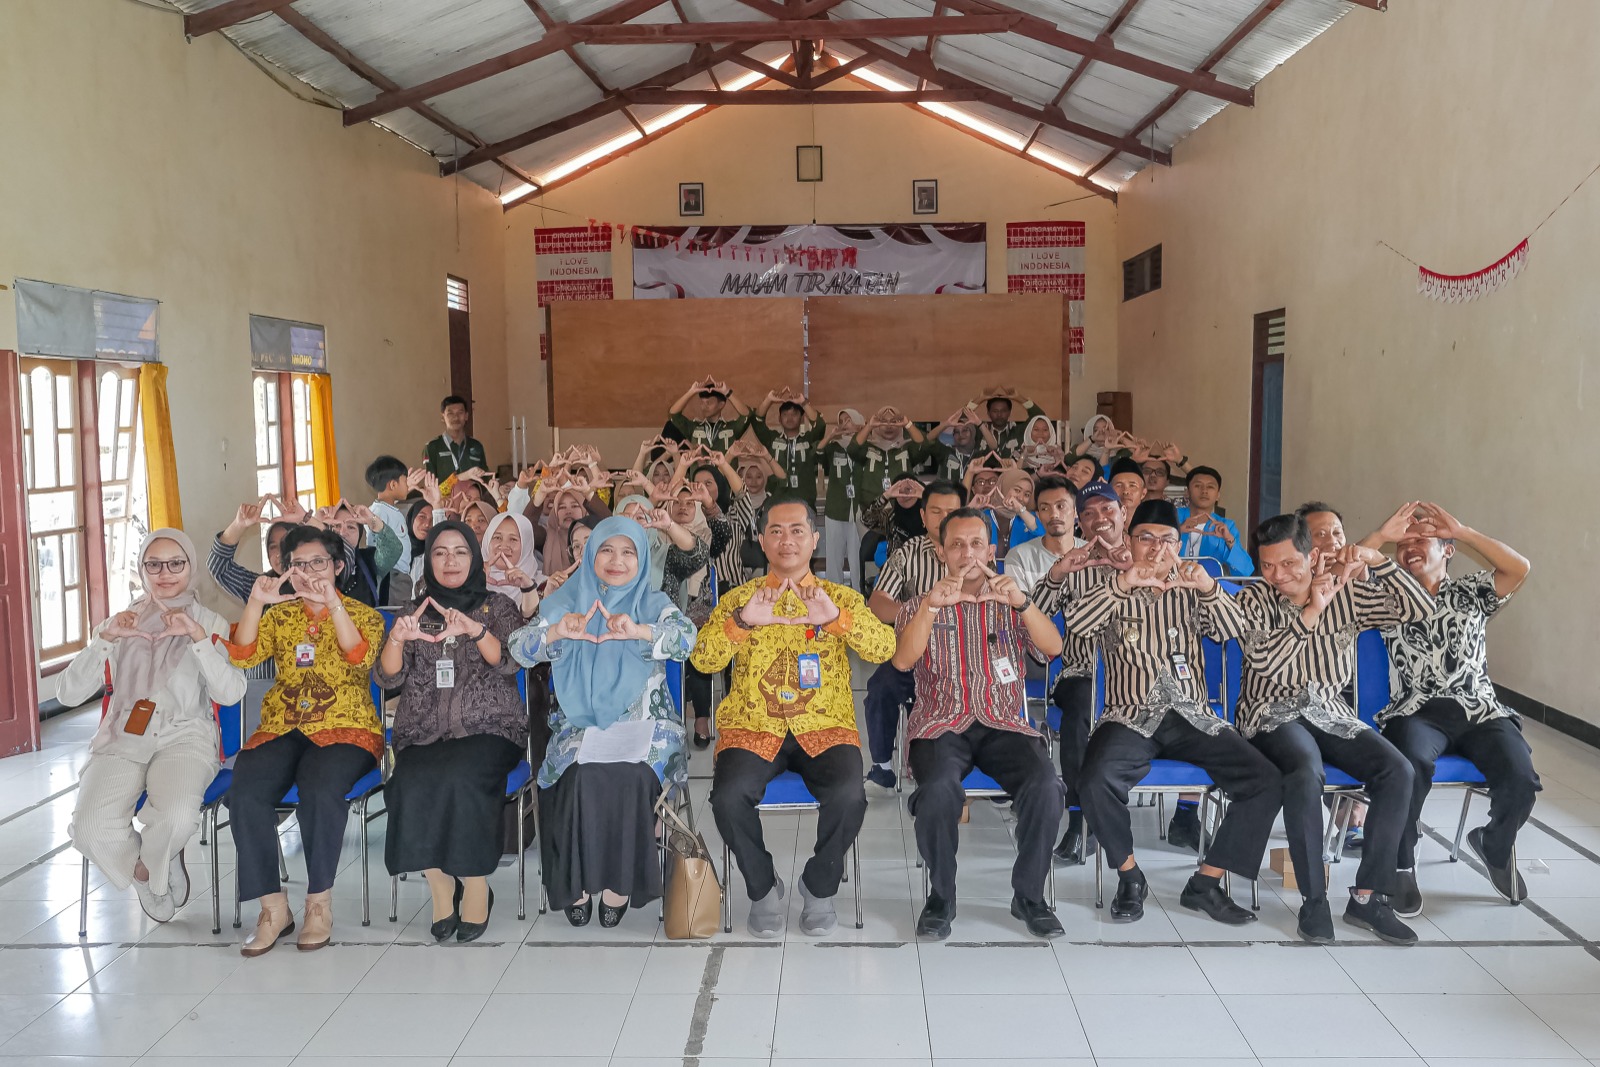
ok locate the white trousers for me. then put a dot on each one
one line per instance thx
(175, 780)
(841, 542)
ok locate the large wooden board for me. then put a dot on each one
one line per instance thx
(928, 355)
(624, 362)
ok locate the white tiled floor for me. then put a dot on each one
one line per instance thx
(1490, 984)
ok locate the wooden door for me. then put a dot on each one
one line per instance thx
(19, 693)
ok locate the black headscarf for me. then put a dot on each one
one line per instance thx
(470, 595)
(418, 545)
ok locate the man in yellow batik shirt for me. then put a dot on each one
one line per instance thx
(790, 708)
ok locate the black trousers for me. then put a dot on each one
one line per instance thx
(1299, 750)
(1440, 727)
(1074, 697)
(887, 690)
(261, 776)
(1119, 757)
(1021, 766)
(739, 781)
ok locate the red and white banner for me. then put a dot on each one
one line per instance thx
(808, 260)
(572, 263)
(1048, 257)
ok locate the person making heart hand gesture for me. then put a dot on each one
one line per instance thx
(970, 711)
(607, 634)
(158, 735)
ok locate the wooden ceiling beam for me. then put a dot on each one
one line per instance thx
(792, 29)
(549, 23)
(919, 66)
(552, 42)
(769, 71)
(229, 14)
(705, 59)
(1046, 32)
(767, 97)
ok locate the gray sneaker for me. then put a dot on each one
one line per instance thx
(767, 914)
(816, 914)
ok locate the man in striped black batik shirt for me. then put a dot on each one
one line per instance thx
(1148, 622)
(1299, 653)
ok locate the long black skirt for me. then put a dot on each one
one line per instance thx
(445, 802)
(598, 826)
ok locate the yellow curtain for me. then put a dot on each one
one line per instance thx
(324, 454)
(161, 463)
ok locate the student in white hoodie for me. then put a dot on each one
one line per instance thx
(162, 667)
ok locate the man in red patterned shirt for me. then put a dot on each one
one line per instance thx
(964, 642)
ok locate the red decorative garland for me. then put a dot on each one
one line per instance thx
(1456, 288)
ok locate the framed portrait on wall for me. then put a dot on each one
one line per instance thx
(925, 196)
(691, 198)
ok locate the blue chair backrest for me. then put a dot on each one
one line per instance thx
(522, 685)
(230, 719)
(675, 684)
(1213, 567)
(1099, 703)
(1372, 675)
(711, 580)
(880, 555)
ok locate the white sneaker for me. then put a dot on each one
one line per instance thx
(178, 885)
(158, 906)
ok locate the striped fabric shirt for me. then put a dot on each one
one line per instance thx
(911, 570)
(1077, 653)
(1151, 646)
(741, 516)
(958, 677)
(1291, 672)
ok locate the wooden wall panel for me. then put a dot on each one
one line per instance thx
(624, 362)
(928, 355)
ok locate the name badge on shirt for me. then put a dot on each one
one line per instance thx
(305, 655)
(1004, 669)
(444, 674)
(850, 492)
(885, 483)
(810, 670)
(794, 481)
(1180, 667)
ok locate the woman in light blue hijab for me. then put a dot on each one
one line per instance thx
(607, 635)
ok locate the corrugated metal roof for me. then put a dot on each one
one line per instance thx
(412, 42)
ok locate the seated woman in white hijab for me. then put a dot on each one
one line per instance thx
(512, 561)
(162, 669)
(607, 635)
(1040, 450)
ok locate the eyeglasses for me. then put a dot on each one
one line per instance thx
(171, 566)
(311, 566)
(1152, 539)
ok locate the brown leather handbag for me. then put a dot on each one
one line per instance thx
(691, 892)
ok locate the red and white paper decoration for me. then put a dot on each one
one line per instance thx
(1457, 288)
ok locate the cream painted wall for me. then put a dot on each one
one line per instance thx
(745, 157)
(1447, 128)
(149, 166)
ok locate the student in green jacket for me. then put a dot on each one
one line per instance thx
(794, 445)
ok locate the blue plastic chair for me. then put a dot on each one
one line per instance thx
(1213, 566)
(786, 793)
(230, 722)
(1373, 694)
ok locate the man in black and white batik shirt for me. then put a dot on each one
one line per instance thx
(1299, 652)
(1149, 620)
(1443, 701)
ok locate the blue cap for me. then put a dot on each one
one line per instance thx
(1099, 487)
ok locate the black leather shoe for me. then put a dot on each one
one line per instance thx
(1128, 905)
(1072, 849)
(1407, 897)
(1184, 829)
(580, 914)
(934, 922)
(609, 916)
(1209, 898)
(466, 931)
(1037, 917)
(1506, 881)
(1316, 922)
(702, 741)
(445, 928)
(1378, 916)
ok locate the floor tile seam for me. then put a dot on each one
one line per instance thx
(36, 805)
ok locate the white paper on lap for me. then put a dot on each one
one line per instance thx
(621, 742)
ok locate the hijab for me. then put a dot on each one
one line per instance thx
(1090, 445)
(140, 668)
(470, 595)
(701, 529)
(527, 563)
(595, 683)
(418, 544)
(1034, 454)
(658, 542)
(557, 556)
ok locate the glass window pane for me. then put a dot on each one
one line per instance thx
(67, 458)
(44, 436)
(69, 559)
(130, 396)
(52, 511)
(66, 418)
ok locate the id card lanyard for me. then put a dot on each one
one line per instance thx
(455, 460)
